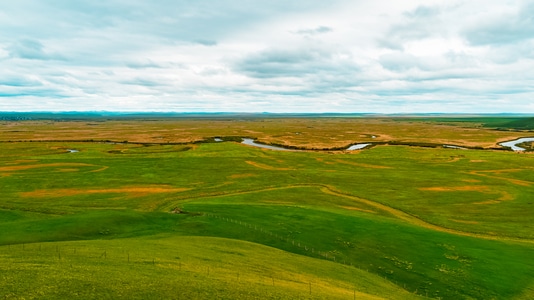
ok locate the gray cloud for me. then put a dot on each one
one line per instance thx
(314, 31)
(206, 42)
(272, 63)
(505, 28)
(233, 55)
(31, 49)
(11, 80)
(399, 61)
(146, 64)
(420, 23)
(145, 82)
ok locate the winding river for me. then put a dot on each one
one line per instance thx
(251, 142)
(357, 147)
(512, 144)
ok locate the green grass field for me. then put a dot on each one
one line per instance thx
(392, 222)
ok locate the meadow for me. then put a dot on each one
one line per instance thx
(168, 216)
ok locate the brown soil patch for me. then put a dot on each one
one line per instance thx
(266, 167)
(358, 209)
(131, 191)
(363, 165)
(477, 160)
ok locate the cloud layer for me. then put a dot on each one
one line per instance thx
(276, 56)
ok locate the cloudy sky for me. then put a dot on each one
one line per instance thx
(267, 56)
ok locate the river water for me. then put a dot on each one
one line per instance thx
(512, 144)
(251, 142)
(357, 147)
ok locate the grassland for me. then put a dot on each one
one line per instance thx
(224, 220)
(327, 133)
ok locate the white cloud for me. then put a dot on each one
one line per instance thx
(359, 56)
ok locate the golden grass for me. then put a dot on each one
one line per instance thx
(302, 132)
(131, 191)
(468, 188)
(27, 167)
(465, 221)
(69, 170)
(414, 220)
(266, 167)
(237, 176)
(361, 165)
(505, 196)
(511, 180)
(358, 209)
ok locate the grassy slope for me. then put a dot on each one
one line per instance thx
(285, 199)
(170, 267)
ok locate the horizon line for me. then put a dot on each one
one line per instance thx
(256, 113)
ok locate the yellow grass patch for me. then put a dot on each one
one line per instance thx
(131, 191)
(363, 165)
(314, 132)
(278, 202)
(414, 219)
(247, 175)
(471, 180)
(99, 170)
(493, 173)
(266, 167)
(468, 188)
(487, 202)
(325, 162)
(358, 209)
(25, 161)
(27, 167)
(69, 170)
(464, 221)
(454, 159)
(505, 196)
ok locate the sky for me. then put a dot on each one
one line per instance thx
(347, 56)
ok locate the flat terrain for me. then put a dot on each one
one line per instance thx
(172, 217)
(298, 132)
